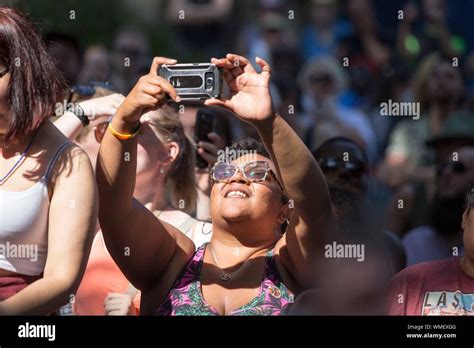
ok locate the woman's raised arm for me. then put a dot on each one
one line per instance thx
(312, 220)
(140, 244)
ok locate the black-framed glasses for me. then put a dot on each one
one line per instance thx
(456, 166)
(253, 171)
(352, 166)
(4, 72)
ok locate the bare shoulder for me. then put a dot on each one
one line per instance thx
(71, 154)
(67, 160)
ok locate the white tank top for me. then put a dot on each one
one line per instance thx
(24, 226)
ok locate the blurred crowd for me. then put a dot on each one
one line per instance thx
(397, 180)
(335, 63)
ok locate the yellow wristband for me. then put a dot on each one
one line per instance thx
(122, 136)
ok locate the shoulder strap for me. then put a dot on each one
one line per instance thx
(271, 269)
(54, 158)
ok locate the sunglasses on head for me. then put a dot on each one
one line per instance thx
(253, 171)
(87, 90)
(352, 166)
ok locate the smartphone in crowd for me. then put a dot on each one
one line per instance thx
(204, 126)
(194, 82)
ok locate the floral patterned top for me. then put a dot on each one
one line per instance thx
(185, 297)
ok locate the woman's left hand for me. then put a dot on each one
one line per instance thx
(250, 91)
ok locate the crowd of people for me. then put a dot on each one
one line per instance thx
(338, 177)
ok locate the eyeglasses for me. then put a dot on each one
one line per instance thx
(4, 72)
(253, 171)
(456, 166)
(355, 167)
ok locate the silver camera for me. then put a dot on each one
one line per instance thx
(195, 81)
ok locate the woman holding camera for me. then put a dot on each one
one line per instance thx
(249, 267)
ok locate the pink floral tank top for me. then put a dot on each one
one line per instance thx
(185, 297)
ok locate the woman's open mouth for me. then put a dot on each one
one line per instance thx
(236, 190)
(236, 194)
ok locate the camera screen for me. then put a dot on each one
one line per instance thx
(186, 81)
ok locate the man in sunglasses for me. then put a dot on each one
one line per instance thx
(417, 194)
(443, 287)
(441, 237)
(354, 287)
(344, 165)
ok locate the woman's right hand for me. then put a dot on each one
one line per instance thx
(149, 93)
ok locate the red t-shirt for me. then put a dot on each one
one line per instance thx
(432, 288)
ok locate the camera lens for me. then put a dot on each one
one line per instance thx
(209, 81)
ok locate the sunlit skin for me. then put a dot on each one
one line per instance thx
(151, 151)
(152, 156)
(244, 229)
(69, 231)
(69, 191)
(263, 202)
